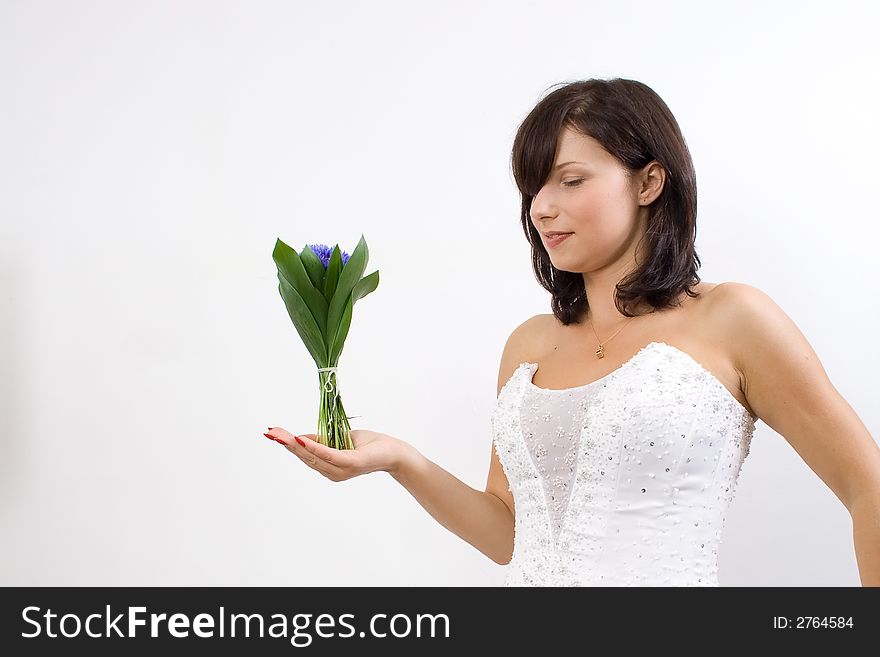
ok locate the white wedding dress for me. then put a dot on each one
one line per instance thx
(624, 481)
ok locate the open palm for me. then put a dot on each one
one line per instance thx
(372, 452)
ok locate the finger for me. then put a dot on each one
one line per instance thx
(274, 439)
(325, 460)
(329, 455)
(329, 470)
(281, 435)
(284, 437)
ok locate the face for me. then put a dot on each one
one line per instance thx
(593, 199)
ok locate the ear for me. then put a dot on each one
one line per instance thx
(652, 179)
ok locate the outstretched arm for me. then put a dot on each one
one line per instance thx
(481, 518)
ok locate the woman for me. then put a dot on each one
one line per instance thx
(623, 418)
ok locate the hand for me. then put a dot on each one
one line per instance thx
(372, 452)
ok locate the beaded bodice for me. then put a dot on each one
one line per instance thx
(624, 481)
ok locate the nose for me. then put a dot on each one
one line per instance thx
(541, 205)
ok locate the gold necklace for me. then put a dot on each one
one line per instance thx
(600, 352)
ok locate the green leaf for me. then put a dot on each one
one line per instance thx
(291, 269)
(334, 267)
(351, 274)
(338, 341)
(366, 285)
(313, 265)
(304, 322)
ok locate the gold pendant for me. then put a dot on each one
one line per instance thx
(600, 352)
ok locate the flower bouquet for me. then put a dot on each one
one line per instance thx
(320, 286)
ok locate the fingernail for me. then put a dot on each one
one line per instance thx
(280, 442)
(270, 428)
(269, 437)
(299, 441)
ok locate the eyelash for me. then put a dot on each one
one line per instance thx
(573, 183)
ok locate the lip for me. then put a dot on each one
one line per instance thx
(555, 240)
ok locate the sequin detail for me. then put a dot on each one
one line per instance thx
(624, 481)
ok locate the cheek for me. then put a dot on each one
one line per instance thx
(600, 221)
(587, 209)
(595, 214)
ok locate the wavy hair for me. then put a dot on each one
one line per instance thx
(632, 123)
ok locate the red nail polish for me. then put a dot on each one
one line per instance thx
(281, 442)
(268, 436)
(299, 441)
(270, 428)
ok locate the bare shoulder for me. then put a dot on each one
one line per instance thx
(731, 306)
(760, 337)
(519, 347)
(731, 288)
(727, 310)
(789, 389)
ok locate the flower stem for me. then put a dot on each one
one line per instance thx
(334, 429)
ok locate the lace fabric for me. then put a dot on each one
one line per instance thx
(624, 481)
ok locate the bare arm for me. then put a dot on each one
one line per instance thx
(479, 517)
(485, 519)
(789, 389)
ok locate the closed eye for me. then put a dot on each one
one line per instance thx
(573, 183)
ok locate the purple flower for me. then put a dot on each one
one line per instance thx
(323, 252)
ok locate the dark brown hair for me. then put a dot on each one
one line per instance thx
(634, 125)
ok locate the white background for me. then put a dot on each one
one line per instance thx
(152, 152)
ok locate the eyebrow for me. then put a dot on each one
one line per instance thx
(562, 164)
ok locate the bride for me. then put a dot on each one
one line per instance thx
(624, 416)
